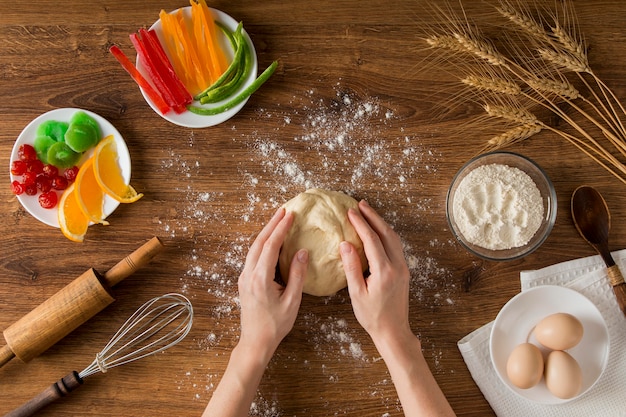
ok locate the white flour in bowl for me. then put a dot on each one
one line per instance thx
(498, 207)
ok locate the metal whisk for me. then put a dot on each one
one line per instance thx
(157, 325)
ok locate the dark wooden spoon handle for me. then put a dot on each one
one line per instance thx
(46, 397)
(619, 286)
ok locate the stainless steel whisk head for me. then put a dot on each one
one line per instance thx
(156, 326)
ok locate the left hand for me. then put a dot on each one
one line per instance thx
(269, 310)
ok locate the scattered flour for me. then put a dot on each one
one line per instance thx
(314, 146)
(497, 207)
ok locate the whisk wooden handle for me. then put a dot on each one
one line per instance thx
(133, 262)
(59, 389)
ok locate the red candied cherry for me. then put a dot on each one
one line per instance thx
(48, 199)
(44, 184)
(17, 188)
(30, 178)
(35, 166)
(71, 173)
(50, 170)
(30, 189)
(18, 167)
(59, 183)
(27, 153)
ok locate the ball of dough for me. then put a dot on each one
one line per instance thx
(320, 225)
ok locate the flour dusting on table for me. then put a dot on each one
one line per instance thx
(314, 146)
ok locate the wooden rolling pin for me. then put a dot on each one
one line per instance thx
(72, 306)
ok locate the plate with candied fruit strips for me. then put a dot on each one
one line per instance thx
(47, 159)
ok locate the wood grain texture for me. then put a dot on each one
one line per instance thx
(353, 106)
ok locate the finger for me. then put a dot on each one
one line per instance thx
(257, 246)
(373, 246)
(271, 247)
(352, 268)
(297, 275)
(389, 238)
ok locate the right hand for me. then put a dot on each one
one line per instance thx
(380, 301)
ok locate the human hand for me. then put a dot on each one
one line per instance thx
(380, 302)
(269, 310)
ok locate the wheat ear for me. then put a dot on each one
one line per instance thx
(523, 21)
(492, 84)
(511, 136)
(513, 114)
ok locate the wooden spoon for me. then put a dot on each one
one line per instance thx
(593, 221)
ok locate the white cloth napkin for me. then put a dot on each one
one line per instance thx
(608, 397)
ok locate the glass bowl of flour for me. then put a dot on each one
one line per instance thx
(501, 206)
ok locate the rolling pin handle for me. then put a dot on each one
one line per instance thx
(133, 262)
(59, 389)
(6, 354)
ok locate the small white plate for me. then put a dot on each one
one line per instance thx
(514, 325)
(187, 118)
(28, 135)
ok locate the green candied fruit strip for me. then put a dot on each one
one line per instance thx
(233, 67)
(62, 156)
(244, 67)
(81, 137)
(53, 129)
(41, 145)
(247, 92)
(82, 118)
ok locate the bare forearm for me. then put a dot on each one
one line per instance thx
(237, 389)
(416, 386)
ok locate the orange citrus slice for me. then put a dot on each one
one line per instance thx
(72, 220)
(109, 174)
(89, 195)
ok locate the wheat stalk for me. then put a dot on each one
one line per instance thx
(538, 76)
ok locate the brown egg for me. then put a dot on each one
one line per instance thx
(525, 366)
(564, 377)
(559, 331)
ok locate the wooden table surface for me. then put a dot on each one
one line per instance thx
(353, 106)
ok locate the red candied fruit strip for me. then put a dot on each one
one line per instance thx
(139, 79)
(150, 37)
(159, 73)
(153, 73)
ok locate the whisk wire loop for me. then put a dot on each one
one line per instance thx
(156, 326)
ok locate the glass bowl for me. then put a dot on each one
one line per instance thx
(496, 219)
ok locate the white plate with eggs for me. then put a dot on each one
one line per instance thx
(515, 324)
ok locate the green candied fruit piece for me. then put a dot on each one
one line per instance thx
(82, 118)
(53, 129)
(62, 156)
(81, 137)
(41, 145)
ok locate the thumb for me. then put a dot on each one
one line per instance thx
(352, 267)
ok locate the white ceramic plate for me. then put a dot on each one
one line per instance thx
(187, 118)
(517, 319)
(31, 202)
